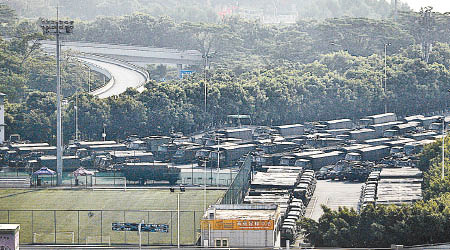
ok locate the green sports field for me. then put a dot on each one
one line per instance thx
(89, 214)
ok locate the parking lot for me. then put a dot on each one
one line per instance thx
(333, 194)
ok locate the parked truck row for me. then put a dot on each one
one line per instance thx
(289, 187)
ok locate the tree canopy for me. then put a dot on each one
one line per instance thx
(207, 10)
(424, 222)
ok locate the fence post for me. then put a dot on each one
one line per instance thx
(148, 233)
(171, 229)
(78, 231)
(125, 232)
(101, 227)
(32, 227)
(195, 233)
(54, 219)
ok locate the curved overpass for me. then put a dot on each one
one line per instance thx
(118, 62)
(122, 75)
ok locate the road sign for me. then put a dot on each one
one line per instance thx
(154, 228)
(186, 72)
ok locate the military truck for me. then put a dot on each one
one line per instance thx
(290, 130)
(229, 154)
(185, 155)
(374, 153)
(380, 118)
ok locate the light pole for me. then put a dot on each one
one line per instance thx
(178, 218)
(218, 160)
(206, 56)
(385, 75)
(204, 191)
(76, 116)
(443, 146)
(58, 27)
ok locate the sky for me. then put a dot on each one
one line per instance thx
(438, 5)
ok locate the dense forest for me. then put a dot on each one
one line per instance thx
(325, 66)
(423, 222)
(311, 70)
(206, 10)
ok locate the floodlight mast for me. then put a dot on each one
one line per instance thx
(58, 27)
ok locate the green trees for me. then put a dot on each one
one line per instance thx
(312, 70)
(423, 222)
(207, 10)
(336, 86)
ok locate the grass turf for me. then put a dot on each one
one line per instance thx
(95, 226)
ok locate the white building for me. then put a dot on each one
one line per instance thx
(241, 225)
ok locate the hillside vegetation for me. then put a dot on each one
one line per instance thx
(312, 70)
(205, 10)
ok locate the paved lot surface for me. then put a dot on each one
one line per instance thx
(333, 194)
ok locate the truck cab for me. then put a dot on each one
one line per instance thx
(305, 164)
(353, 157)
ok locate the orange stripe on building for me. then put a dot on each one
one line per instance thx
(237, 224)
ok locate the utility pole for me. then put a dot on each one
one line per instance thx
(58, 27)
(385, 76)
(178, 220)
(89, 80)
(218, 160)
(76, 116)
(206, 56)
(443, 146)
(204, 185)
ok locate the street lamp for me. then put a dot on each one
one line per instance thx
(385, 75)
(58, 27)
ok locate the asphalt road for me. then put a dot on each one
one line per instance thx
(123, 78)
(333, 194)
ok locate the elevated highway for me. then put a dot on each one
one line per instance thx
(122, 75)
(122, 63)
(133, 54)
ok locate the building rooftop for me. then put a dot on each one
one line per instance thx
(338, 121)
(9, 227)
(367, 149)
(380, 115)
(290, 126)
(243, 212)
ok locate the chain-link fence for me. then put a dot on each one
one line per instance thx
(238, 188)
(95, 226)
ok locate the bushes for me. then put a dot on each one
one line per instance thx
(424, 222)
